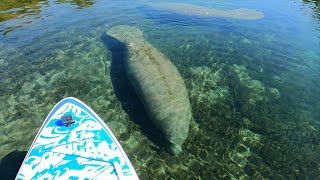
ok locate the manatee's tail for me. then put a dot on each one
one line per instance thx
(174, 149)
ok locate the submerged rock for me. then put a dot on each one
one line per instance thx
(205, 88)
(190, 9)
(158, 85)
(252, 90)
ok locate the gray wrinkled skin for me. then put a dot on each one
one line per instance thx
(191, 9)
(158, 84)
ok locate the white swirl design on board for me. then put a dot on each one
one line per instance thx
(84, 150)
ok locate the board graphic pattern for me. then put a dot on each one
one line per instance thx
(85, 150)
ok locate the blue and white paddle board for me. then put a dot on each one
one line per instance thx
(74, 143)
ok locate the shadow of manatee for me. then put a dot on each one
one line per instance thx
(10, 164)
(125, 93)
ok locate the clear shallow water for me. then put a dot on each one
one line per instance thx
(253, 85)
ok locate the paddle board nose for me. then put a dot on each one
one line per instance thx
(74, 142)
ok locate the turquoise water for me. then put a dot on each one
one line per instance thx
(254, 86)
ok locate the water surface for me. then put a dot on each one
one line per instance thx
(254, 86)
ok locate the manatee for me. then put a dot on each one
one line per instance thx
(158, 84)
(195, 10)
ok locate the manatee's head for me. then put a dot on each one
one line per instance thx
(125, 33)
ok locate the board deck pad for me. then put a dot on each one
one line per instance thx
(85, 149)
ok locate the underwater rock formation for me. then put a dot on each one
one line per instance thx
(251, 90)
(243, 149)
(158, 85)
(195, 10)
(204, 85)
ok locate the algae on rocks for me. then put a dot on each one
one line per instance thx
(251, 90)
(158, 85)
(204, 85)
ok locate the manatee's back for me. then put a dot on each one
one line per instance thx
(159, 86)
